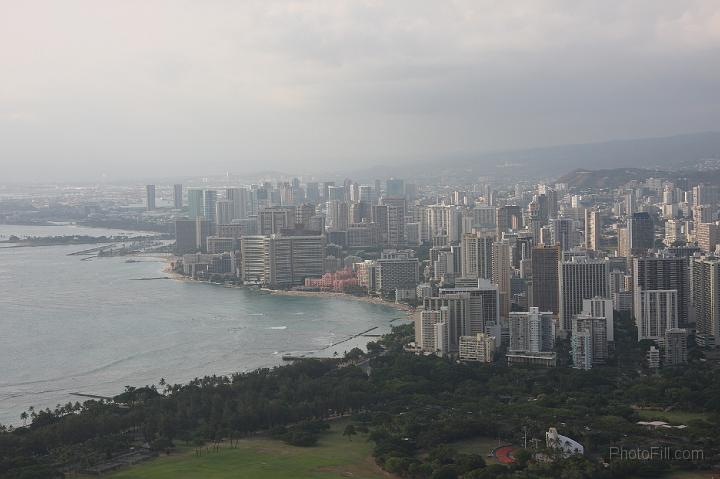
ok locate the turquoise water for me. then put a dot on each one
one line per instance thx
(68, 325)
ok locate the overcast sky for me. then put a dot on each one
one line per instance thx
(145, 88)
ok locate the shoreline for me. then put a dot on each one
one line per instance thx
(408, 310)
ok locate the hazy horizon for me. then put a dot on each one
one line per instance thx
(172, 89)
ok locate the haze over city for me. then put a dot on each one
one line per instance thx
(138, 89)
(401, 239)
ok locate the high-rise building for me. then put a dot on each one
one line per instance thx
(532, 331)
(706, 299)
(655, 312)
(303, 214)
(545, 261)
(675, 347)
(280, 260)
(483, 306)
(224, 212)
(502, 274)
(601, 308)
(312, 192)
(563, 233)
(239, 198)
(337, 215)
(395, 187)
(641, 233)
(707, 236)
(396, 271)
(479, 347)
(209, 202)
(380, 218)
(178, 196)
(431, 331)
(476, 252)
(664, 272)
(580, 278)
(397, 208)
(589, 341)
(508, 217)
(150, 193)
(196, 201)
(593, 228)
(191, 235)
(274, 219)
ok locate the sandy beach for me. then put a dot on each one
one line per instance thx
(409, 310)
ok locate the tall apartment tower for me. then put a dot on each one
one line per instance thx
(209, 205)
(563, 232)
(275, 218)
(196, 201)
(545, 287)
(502, 273)
(664, 272)
(655, 312)
(589, 341)
(593, 227)
(601, 308)
(532, 331)
(476, 252)
(506, 218)
(706, 299)
(239, 199)
(579, 279)
(224, 212)
(178, 196)
(150, 193)
(675, 347)
(641, 233)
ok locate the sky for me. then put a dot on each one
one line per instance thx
(170, 88)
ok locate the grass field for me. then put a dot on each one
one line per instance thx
(480, 445)
(673, 417)
(262, 458)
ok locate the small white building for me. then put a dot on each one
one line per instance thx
(569, 446)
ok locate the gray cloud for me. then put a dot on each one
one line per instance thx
(147, 88)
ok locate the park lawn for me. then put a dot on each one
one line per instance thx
(478, 445)
(673, 417)
(263, 458)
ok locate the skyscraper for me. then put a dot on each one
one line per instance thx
(501, 274)
(209, 202)
(655, 312)
(150, 192)
(178, 196)
(239, 198)
(545, 288)
(224, 212)
(196, 201)
(563, 233)
(592, 229)
(664, 272)
(395, 187)
(532, 331)
(579, 279)
(476, 252)
(641, 233)
(706, 299)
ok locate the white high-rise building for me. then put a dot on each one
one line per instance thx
(601, 308)
(532, 331)
(656, 311)
(476, 252)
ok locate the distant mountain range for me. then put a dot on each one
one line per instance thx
(671, 153)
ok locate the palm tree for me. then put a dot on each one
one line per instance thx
(24, 417)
